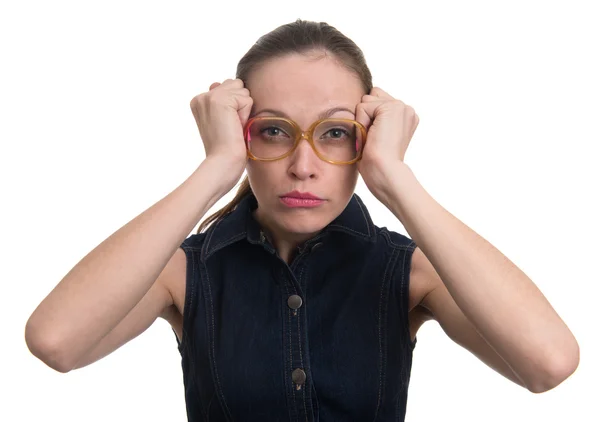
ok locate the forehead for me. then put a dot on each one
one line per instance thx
(302, 87)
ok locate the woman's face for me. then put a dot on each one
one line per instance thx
(302, 88)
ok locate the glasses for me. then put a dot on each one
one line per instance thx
(336, 141)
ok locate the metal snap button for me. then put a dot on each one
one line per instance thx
(315, 246)
(294, 301)
(299, 377)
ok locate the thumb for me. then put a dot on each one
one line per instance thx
(244, 108)
(365, 114)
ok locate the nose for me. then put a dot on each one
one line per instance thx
(304, 162)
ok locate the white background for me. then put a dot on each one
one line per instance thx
(95, 127)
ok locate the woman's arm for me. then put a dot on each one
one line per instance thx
(503, 305)
(104, 287)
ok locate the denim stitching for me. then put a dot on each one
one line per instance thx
(240, 235)
(188, 304)
(300, 346)
(386, 234)
(403, 300)
(381, 351)
(185, 334)
(365, 217)
(410, 247)
(212, 341)
(206, 250)
(285, 375)
(289, 312)
(348, 229)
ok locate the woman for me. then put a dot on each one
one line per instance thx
(290, 304)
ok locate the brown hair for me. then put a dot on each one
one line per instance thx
(297, 37)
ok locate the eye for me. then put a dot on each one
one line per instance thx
(271, 131)
(337, 131)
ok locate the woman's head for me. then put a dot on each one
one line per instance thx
(301, 69)
(301, 88)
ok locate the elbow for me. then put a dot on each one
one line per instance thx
(557, 372)
(47, 350)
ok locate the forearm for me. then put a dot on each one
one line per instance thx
(503, 304)
(110, 280)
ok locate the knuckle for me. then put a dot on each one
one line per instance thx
(194, 101)
(213, 99)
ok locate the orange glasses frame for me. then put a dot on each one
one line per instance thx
(304, 135)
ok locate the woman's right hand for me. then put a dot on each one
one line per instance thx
(221, 114)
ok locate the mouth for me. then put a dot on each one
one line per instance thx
(297, 199)
(301, 195)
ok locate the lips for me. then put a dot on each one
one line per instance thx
(295, 199)
(300, 195)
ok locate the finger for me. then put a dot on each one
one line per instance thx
(214, 85)
(415, 126)
(365, 113)
(241, 91)
(244, 107)
(378, 92)
(233, 83)
(369, 98)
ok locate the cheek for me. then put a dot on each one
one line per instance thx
(255, 170)
(348, 178)
(262, 175)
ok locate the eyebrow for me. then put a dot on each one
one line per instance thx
(323, 115)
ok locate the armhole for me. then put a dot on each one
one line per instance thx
(405, 291)
(191, 288)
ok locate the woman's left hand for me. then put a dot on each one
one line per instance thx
(390, 126)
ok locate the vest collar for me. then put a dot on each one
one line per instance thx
(241, 224)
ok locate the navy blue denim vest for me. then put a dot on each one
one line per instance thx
(325, 338)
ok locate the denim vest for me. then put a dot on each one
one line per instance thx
(325, 338)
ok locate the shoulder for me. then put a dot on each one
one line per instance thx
(416, 264)
(174, 276)
(194, 241)
(394, 239)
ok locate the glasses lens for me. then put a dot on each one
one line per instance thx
(270, 138)
(338, 140)
(335, 140)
